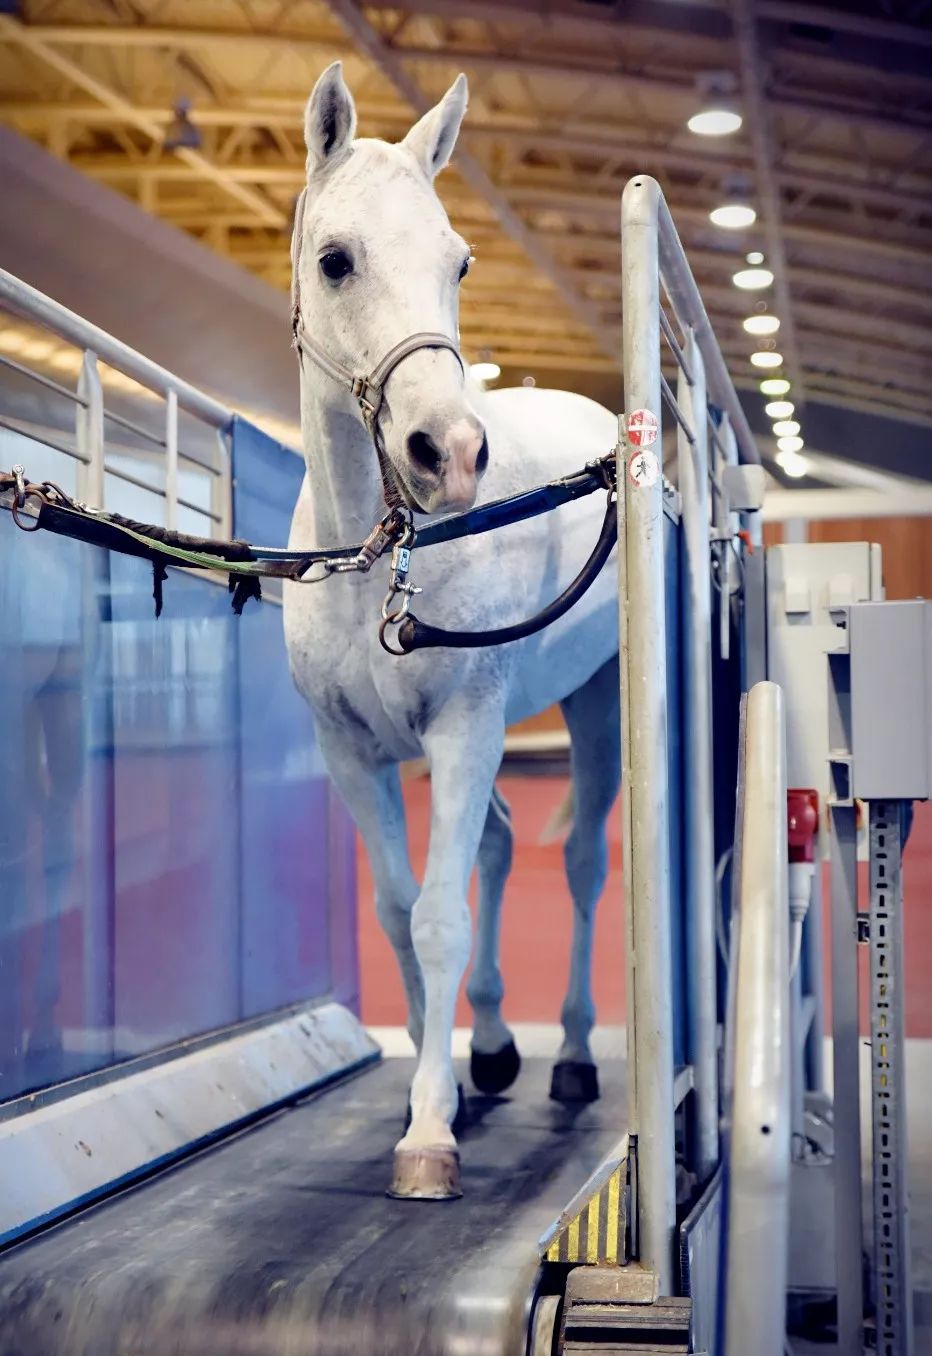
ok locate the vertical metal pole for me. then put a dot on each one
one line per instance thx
(644, 718)
(97, 914)
(221, 488)
(725, 522)
(888, 1084)
(171, 460)
(699, 796)
(89, 433)
(847, 1118)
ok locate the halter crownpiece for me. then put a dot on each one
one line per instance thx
(367, 391)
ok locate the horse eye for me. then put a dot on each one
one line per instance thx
(335, 264)
(464, 267)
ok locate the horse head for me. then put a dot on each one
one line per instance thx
(376, 262)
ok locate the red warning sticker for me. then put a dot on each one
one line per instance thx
(642, 428)
(644, 469)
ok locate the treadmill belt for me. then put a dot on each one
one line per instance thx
(281, 1241)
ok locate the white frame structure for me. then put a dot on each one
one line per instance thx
(655, 276)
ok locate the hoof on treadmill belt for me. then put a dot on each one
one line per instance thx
(494, 1073)
(573, 1081)
(459, 1120)
(426, 1175)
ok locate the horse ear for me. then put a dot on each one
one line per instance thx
(432, 138)
(329, 119)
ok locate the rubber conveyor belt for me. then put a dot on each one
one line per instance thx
(281, 1241)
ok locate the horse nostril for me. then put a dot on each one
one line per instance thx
(424, 452)
(482, 460)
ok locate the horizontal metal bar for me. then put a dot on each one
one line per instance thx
(37, 437)
(678, 415)
(686, 302)
(196, 461)
(31, 304)
(134, 428)
(675, 345)
(41, 379)
(157, 489)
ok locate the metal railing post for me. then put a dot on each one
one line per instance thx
(221, 486)
(89, 433)
(699, 796)
(171, 460)
(644, 726)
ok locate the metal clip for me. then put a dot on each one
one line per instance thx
(20, 494)
(398, 578)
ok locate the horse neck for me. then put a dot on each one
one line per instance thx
(342, 467)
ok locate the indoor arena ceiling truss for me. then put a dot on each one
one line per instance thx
(568, 100)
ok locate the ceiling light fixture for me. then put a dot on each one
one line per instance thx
(718, 115)
(181, 132)
(767, 358)
(485, 370)
(779, 409)
(774, 386)
(752, 279)
(785, 428)
(792, 464)
(733, 216)
(762, 324)
(790, 444)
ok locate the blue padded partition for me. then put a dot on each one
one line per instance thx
(172, 857)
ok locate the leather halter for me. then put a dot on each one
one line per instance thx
(367, 390)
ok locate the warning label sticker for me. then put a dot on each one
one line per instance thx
(644, 469)
(642, 428)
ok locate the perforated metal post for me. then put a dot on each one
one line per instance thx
(644, 733)
(888, 1085)
(699, 796)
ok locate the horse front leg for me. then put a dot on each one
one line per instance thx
(494, 1062)
(464, 748)
(372, 793)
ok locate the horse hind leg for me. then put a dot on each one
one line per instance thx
(494, 1060)
(592, 716)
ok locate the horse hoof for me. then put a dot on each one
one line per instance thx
(426, 1175)
(494, 1073)
(459, 1120)
(573, 1081)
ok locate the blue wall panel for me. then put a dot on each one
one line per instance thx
(172, 858)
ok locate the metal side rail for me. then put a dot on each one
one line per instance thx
(758, 1054)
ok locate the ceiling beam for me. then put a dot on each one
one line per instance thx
(768, 193)
(324, 48)
(22, 35)
(367, 37)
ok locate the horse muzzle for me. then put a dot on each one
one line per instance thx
(446, 464)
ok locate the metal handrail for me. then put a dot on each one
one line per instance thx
(758, 1050)
(31, 304)
(27, 302)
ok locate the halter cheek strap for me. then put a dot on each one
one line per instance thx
(367, 390)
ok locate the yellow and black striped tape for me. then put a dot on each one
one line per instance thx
(592, 1228)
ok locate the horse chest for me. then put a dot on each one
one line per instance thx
(378, 705)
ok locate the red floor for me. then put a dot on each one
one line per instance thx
(536, 919)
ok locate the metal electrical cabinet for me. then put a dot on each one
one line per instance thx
(857, 673)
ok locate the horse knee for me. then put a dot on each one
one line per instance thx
(395, 917)
(441, 935)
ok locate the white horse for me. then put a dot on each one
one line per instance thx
(377, 261)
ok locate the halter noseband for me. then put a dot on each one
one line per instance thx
(367, 391)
